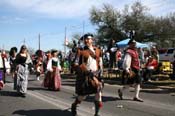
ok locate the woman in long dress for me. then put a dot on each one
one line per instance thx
(52, 79)
(23, 60)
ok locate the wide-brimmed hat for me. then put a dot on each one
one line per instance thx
(87, 36)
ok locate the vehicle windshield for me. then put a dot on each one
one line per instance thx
(162, 51)
(170, 51)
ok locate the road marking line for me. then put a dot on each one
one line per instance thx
(59, 103)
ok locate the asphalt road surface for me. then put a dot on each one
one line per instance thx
(42, 102)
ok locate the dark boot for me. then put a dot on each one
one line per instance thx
(74, 107)
(98, 105)
(120, 94)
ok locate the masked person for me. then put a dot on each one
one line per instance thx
(88, 74)
(131, 74)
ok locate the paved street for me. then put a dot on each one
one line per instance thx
(42, 102)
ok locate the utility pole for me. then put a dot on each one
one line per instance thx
(83, 27)
(24, 42)
(83, 30)
(3, 47)
(65, 41)
(39, 41)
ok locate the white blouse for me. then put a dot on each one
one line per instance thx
(127, 62)
(49, 65)
(91, 62)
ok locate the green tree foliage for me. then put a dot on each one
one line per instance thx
(108, 21)
(165, 31)
(116, 24)
(135, 20)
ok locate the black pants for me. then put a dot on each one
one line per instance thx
(112, 60)
(147, 74)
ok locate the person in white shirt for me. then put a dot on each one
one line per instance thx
(88, 69)
(131, 66)
(53, 77)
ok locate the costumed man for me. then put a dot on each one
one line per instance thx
(88, 74)
(131, 75)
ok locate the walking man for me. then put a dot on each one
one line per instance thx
(131, 74)
(88, 74)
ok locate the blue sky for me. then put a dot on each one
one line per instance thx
(24, 19)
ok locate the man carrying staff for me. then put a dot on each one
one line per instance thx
(88, 74)
(131, 66)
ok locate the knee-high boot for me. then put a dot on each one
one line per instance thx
(98, 105)
(74, 107)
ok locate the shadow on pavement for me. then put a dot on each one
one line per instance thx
(43, 112)
(71, 81)
(161, 91)
(109, 98)
(157, 87)
(104, 98)
(68, 76)
(30, 80)
(68, 84)
(9, 93)
(163, 83)
(37, 88)
(112, 81)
